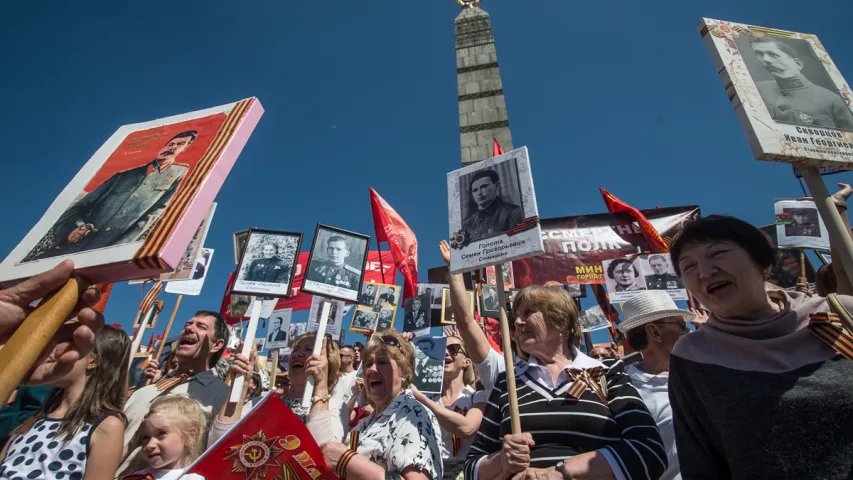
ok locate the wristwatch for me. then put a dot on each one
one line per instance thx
(562, 471)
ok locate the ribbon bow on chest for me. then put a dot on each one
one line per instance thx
(587, 378)
(169, 383)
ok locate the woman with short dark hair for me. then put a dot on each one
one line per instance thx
(755, 392)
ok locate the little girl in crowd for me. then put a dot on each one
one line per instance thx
(81, 429)
(172, 437)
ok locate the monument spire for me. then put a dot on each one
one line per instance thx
(482, 107)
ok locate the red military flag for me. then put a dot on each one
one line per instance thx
(269, 443)
(652, 237)
(390, 227)
(496, 148)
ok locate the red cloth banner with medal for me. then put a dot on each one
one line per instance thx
(269, 443)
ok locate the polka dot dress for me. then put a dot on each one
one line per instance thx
(42, 453)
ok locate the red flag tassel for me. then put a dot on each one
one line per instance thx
(496, 148)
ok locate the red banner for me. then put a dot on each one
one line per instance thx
(270, 443)
(496, 148)
(302, 301)
(576, 246)
(653, 238)
(391, 228)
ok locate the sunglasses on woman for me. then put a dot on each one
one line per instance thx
(389, 340)
(455, 348)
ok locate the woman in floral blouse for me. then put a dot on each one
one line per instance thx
(401, 437)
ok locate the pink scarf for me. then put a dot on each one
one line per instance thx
(779, 343)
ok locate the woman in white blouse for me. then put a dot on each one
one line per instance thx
(401, 437)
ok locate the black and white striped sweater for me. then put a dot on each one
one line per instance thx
(562, 426)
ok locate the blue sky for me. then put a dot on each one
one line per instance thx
(618, 95)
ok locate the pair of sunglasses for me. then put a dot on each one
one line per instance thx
(455, 348)
(389, 340)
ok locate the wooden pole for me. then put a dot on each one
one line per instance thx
(137, 337)
(318, 347)
(248, 345)
(274, 370)
(803, 278)
(839, 237)
(24, 347)
(166, 334)
(508, 353)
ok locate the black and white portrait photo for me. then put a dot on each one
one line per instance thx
(194, 284)
(364, 321)
(368, 294)
(659, 273)
(389, 295)
(491, 200)
(792, 82)
(416, 315)
(279, 326)
(489, 304)
(267, 264)
(432, 292)
(386, 319)
(798, 225)
(623, 275)
(336, 264)
(593, 319)
(429, 363)
(333, 322)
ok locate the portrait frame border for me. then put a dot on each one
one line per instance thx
(292, 269)
(308, 264)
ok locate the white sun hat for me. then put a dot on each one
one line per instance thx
(650, 306)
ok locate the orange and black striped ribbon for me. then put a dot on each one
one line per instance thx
(828, 327)
(151, 297)
(137, 476)
(587, 378)
(147, 257)
(457, 444)
(168, 383)
(526, 224)
(353, 439)
(288, 471)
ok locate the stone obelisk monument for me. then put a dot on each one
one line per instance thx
(482, 108)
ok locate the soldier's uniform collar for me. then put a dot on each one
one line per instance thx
(491, 208)
(793, 83)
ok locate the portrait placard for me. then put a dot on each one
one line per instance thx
(627, 276)
(239, 242)
(447, 317)
(791, 99)
(194, 285)
(416, 315)
(336, 314)
(429, 363)
(134, 207)
(493, 213)
(593, 319)
(267, 306)
(489, 304)
(278, 328)
(432, 292)
(491, 276)
(798, 225)
(379, 302)
(259, 344)
(364, 320)
(267, 263)
(336, 263)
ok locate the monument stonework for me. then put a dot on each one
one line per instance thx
(482, 107)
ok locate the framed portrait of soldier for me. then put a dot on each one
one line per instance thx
(364, 321)
(493, 213)
(260, 343)
(417, 315)
(429, 363)
(389, 295)
(447, 317)
(278, 328)
(369, 293)
(336, 264)
(489, 304)
(239, 242)
(798, 225)
(624, 277)
(792, 101)
(386, 319)
(238, 306)
(267, 263)
(136, 204)
(432, 292)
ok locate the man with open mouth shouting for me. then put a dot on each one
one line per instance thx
(199, 347)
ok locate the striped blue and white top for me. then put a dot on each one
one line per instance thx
(562, 425)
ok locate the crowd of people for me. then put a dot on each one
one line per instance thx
(756, 388)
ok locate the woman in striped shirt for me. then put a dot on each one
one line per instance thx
(580, 417)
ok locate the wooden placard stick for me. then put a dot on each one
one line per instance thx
(248, 345)
(839, 237)
(166, 334)
(143, 325)
(318, 347)
(274, 370)
(508, 353)
(803, 278)
(20, 353)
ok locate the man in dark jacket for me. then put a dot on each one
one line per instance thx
(269, 269)
(494, 216)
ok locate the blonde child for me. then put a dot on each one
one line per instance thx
(172, 437)
(80, 433)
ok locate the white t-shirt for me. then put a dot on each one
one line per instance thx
(468, 397)
(492, 366)
(169, 474)
(655, 392)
